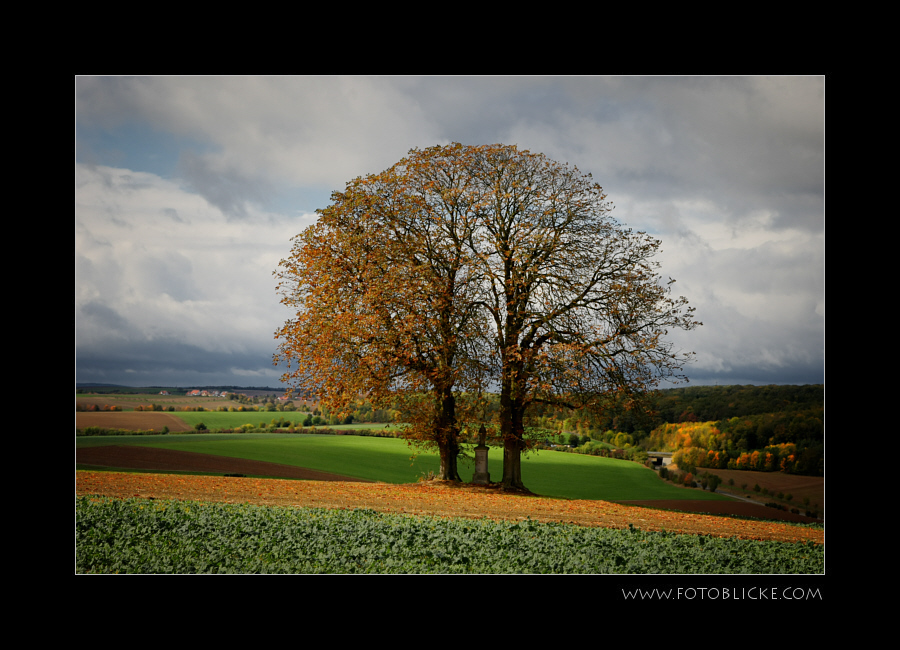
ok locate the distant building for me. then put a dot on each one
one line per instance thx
(660, 458)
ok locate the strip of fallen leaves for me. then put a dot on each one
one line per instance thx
(428, 499)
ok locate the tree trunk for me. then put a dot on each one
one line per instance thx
(512, 430)
(512, 465)
(447, 435)
(449, 457)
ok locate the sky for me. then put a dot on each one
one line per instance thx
(188, 190)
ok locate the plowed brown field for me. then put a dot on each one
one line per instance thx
(134, 457)
(133, 420)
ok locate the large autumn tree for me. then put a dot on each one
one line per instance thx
(463, 262)
(382, 288)
(579, 311)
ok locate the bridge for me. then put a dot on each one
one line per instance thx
(660, 458)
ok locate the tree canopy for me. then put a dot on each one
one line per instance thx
(462, 267)
(382, 284)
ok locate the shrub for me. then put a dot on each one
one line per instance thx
(102, 431)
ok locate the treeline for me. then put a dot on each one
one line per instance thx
(723, 445)
(767, 428)
(762, 428)
(97, 407)
(105, 431)
(782, 413)
(715, 403)
(359, 411)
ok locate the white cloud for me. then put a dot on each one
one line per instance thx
(155, 263)
(299, 130)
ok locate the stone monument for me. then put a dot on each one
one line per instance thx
(481, 477)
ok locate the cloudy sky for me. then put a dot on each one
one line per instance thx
(188, 190)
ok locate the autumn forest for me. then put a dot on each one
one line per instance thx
(762, 428)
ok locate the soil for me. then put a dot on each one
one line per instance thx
(731, 508)
(133, 420)
(439, 498)
(811, 487)
(134, 457)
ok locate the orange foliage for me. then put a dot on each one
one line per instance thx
(462, 264)
(382, 286)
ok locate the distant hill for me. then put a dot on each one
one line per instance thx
(713, 403)
(768, 410)
(118, 388)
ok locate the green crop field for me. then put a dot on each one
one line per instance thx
(549, 473)
(233, 420)
(143, 536)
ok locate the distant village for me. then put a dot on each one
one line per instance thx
(216, 393)
(200, 393)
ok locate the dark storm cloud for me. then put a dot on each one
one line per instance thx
(95, 316)
(170, 361)
(753, 373)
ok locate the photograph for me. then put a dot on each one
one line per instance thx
(453, 325)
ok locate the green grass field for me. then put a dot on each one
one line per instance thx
(233, 420)
(548, 473)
